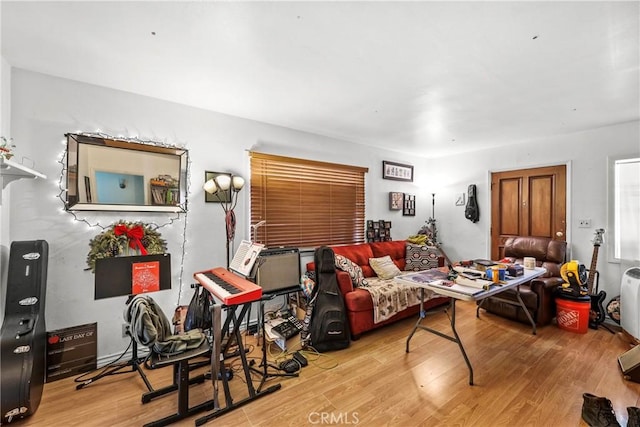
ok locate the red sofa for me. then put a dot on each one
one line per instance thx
(358, 302)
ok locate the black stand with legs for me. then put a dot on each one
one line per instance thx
(265, 365)
(219, 370)
(135, 365)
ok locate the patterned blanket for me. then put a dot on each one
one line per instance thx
(390, 298)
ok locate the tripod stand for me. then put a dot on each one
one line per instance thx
(135, 364)
(264, 372)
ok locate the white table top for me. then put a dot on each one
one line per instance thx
(494, 289)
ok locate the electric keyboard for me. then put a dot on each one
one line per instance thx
(228, 287)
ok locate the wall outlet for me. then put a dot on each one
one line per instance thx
(584, 223)
(125, 330)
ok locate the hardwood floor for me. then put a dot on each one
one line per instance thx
(520, 379)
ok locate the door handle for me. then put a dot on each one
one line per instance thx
(559, 233)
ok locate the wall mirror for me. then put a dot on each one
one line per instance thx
(116, 175)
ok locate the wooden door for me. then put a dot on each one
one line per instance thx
(527, 202)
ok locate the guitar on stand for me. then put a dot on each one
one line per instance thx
(597, 314)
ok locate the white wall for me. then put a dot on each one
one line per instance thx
(44, 108)
(585, 153)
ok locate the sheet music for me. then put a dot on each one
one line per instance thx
(245, 257)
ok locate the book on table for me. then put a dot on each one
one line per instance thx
(473, 283)
(455, 287)
(436, 278)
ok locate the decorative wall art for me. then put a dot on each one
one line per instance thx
(378, 231)
(395, 200)
(397, 171)
(409, 206)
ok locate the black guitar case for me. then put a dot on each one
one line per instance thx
(23, 337)
(329, 327)
(472, 212)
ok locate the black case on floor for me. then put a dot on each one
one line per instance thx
(23, 337)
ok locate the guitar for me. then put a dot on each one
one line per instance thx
(597, 313)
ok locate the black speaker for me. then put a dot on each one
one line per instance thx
(630, 364)
(23, 337)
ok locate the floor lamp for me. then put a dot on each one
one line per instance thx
(226, 188)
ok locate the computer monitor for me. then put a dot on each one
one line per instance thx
(132, 275)
(278, 270)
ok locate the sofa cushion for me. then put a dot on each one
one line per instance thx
(421, 257)
(541, 248)
(359, 254)
(354, 270)
(384, 267)
(394, 248)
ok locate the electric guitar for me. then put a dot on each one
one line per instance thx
(596, 313)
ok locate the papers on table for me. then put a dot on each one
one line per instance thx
(451, 286)
(436, 278)
(474, 283)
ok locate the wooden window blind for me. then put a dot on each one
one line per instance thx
(306, 203)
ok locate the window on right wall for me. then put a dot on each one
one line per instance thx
(624, 208)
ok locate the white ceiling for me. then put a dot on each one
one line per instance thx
(429, 78)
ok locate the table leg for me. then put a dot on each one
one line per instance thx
(455, 338)
(421, 315)
(520, 301)
(478, 307)
(458, 341)
(526, 311)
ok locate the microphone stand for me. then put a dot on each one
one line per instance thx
(432, 230)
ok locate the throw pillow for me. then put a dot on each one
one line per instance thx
(384, 267)
(421, 257)
(354, 270)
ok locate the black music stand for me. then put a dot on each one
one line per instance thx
(114, 278)
(135, 364)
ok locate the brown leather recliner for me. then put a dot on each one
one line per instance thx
(539, 294)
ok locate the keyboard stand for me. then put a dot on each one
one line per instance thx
(265, 365)
(234, 337)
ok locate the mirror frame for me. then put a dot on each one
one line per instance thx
(137, 151)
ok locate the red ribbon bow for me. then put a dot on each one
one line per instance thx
(134, 234)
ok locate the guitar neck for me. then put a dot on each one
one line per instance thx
(592, 269)
(597, 241)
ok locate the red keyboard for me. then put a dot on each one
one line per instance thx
(228, 287)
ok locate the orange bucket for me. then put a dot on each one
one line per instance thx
(573, 316)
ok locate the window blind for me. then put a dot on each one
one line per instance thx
(306, 203)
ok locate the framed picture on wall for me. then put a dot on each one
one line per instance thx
(397, 171)
(221, 195)
(409, 206)
(395, 200)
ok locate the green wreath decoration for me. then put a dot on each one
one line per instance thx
(125, 238)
